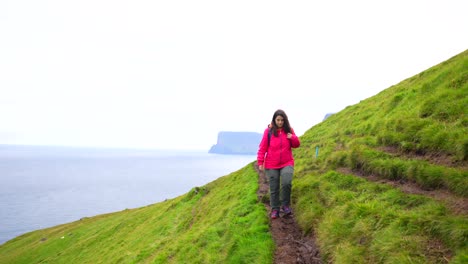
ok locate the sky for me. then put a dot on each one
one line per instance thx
(172, 74)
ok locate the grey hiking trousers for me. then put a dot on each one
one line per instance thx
(277, 190)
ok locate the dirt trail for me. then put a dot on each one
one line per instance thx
(458, 205)
(291, 245)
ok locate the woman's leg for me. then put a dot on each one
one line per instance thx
(286, 183)
(274, 180)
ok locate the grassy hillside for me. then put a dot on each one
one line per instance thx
(415, 132)
(221, 222)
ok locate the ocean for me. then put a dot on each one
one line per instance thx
(42, 187)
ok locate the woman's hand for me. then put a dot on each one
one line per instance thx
(289, 135)
(261, 168)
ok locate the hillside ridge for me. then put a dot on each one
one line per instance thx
(393, 166)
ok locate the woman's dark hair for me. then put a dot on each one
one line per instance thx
(286, 126)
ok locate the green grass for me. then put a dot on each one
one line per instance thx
(398, 134)
(420, 119)
(357, 221)
(427, 175)
(221, 222)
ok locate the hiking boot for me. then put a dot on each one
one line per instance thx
(287, 210)
(274, 214)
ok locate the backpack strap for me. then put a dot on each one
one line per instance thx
(269, 135)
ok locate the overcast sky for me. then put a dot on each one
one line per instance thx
(172, 74)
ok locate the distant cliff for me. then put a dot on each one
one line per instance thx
(242, 143)
(327, 116)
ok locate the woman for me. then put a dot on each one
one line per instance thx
(275, 156)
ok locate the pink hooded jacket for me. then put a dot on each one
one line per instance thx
(277, 154)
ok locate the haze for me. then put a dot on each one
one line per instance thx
(172, 74)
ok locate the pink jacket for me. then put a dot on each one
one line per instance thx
(278, 154)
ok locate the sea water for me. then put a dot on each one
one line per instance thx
(42, 187)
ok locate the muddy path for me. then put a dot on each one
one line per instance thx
(457, 204)
(291, 245)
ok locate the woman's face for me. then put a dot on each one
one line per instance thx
(279, 121)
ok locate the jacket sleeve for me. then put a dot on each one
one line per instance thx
(263, 148)
(295, 143)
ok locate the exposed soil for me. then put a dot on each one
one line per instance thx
(437, 158)
(458, 205)
(291, 245)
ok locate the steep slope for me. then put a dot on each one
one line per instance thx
(414, 133)
(221, 222)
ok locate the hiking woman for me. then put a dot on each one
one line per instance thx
(275, 157)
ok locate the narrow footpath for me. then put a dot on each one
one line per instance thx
(291, 245)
